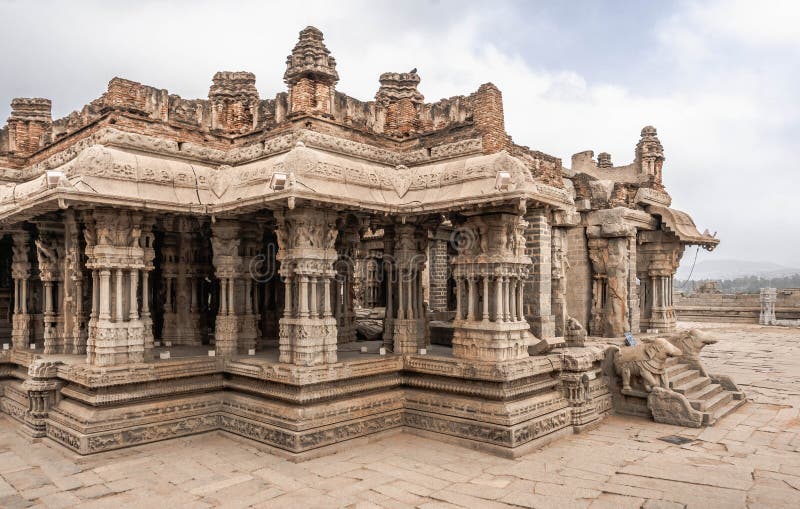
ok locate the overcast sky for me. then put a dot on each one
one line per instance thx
(719, 80)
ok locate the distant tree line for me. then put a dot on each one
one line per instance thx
(746, 284)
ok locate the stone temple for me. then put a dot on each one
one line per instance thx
(311, 269)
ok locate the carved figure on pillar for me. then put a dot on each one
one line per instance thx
(50, 255)
(609, 254)
(307, 252)
(409, 325)
(115, 255)
(227, 267)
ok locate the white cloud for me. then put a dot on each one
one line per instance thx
(725, 119)
(768, 22)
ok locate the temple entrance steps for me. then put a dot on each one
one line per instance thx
(704, 394)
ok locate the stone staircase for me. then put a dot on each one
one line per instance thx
(704, 394)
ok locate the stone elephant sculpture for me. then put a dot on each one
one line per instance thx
(647, 361)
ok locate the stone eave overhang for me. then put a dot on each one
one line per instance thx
(682, 226)
(56, 199)
(110, 175)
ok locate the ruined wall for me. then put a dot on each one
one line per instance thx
(579, 276)
(734, 307)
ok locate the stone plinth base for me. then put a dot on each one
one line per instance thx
(182, 329)
(409, 335)
(304, 411)
(314, 341)
(491, 341)
(116, 343)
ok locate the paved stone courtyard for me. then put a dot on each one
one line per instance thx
(749, 459)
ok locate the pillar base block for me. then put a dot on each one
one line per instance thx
(308, 341)
(21, 331)
(543, 326)
(492, 341)
(248, 332)
(182, 329)
(116, 343)
(409, 335)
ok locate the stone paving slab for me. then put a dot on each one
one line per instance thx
(750, 459)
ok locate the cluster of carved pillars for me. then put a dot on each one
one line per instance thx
(94, 294)
(237, 320)
(307, 253)
(489, 297)
(490, 269)
(658, 257)
(405, 325)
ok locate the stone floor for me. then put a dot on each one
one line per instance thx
(749, 459)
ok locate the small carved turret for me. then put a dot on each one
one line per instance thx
(234, 101)
(29, 125)
(604, 160)
(311, 74)
(650, 156)
(399, 96)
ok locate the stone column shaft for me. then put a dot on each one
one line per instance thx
(134, 307)
(326, 310)
(287, 298)
(105, 294)
(471, 299)
(314, 311)
(119, 315)
(459, 308)
(303, 297)
(498, 286)
(231, 296)
(485, 315)
(223, 296)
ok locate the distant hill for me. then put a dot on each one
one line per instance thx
(730, 269)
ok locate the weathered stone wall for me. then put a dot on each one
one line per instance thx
(579, 276)
(738, 307)
(438, 271)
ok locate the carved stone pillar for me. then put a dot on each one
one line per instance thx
(306, 250)
(180, 269)
(113, 249)
(21, 273)
(410, 325)
(43, 388)
(658, 256)
(491, 250)
(50, 255)
(768, 297)
(609, 252)
(249, 317)
(558, 295)
(347, 248)
(75, 287)
(538, 307)
(439, 271)
(391, 286)
(147, 243)
(227, 264)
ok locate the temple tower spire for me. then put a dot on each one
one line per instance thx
(311, 74)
